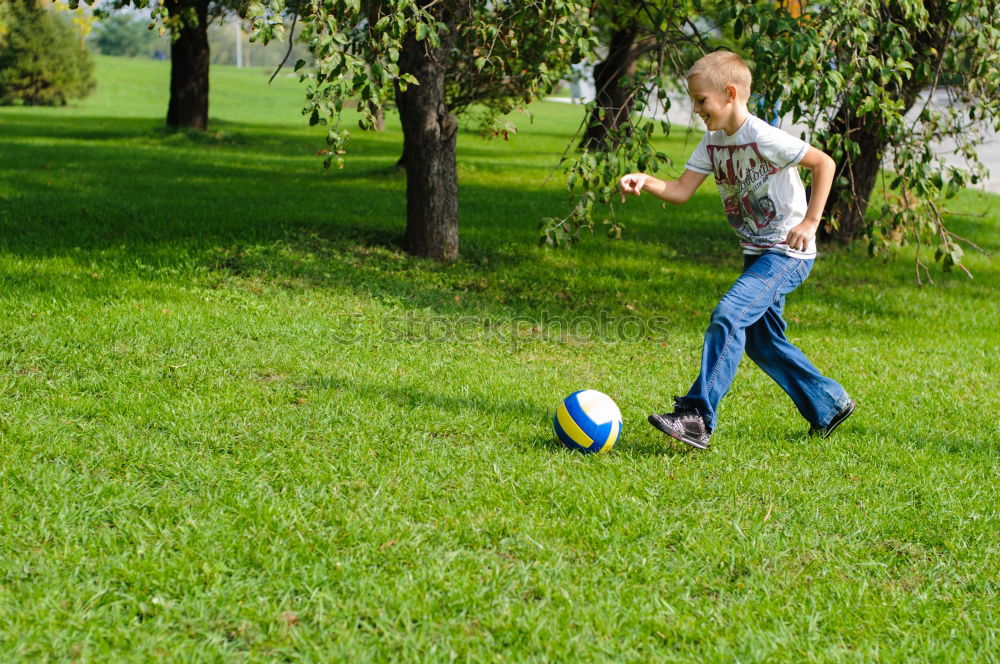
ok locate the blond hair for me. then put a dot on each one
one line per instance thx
(723, 68)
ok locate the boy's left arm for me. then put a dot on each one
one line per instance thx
(823, 168)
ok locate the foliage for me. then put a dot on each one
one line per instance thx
(862, 75)
(667, 40)
(503, 55)
(41, 62)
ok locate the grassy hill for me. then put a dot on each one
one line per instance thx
(239, 424)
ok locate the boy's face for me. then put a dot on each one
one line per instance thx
(713, 105)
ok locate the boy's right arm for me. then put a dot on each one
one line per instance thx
(673, 191)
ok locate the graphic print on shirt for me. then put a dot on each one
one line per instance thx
(741, 175)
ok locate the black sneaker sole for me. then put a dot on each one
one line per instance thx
(838, 419)
(684, 439)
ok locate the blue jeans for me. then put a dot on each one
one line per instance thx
(749, 318)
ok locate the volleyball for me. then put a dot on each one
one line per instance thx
(588, 421)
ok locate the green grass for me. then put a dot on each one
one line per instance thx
(237, 423)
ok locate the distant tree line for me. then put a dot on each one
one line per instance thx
(127, 35)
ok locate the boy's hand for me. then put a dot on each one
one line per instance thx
(672, 191)
(801, 236)
(632, 184)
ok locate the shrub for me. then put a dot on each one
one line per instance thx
(41, 59)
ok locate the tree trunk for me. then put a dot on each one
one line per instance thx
(429, 135)
(401, 162)
(189, 57)
(848, 207)
(614, 100)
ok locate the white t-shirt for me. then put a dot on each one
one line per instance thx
(758, 182)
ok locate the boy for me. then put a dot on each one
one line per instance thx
(755, 171)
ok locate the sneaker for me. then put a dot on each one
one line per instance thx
(844, 413)
(684, 424)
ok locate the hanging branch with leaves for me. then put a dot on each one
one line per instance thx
(648, 44)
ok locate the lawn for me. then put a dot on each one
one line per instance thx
(237, 423)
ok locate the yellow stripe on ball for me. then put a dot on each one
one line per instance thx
(571, 428)
(612, 437)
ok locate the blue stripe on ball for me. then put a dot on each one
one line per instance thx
(581, 418)
(601, 435)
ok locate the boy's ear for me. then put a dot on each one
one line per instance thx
(731, 95)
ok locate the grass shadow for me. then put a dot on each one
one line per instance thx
(653, 446)
(410, 396)
(254, 202)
